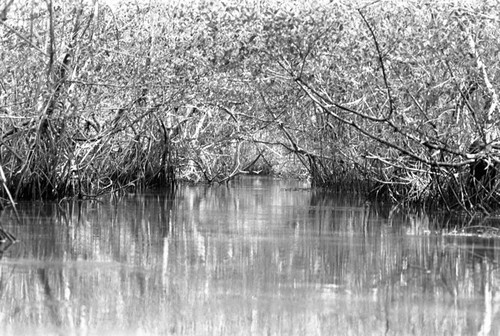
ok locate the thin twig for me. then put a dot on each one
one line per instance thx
(382, 66)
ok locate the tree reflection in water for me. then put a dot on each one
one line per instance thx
(259, 256)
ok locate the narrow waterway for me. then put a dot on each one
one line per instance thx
(258, 257)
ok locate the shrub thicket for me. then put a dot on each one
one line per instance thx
(398, 97)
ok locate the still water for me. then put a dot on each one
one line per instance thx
(258, 257)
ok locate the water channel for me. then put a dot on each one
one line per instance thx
(260, 256)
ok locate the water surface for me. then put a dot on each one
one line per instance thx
(258, 257)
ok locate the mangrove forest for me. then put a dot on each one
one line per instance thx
(396, 100)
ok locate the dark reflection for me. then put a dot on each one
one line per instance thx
(259, 256)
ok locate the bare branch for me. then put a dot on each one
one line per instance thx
(382, 66)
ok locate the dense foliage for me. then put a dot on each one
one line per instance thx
(396, 98)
